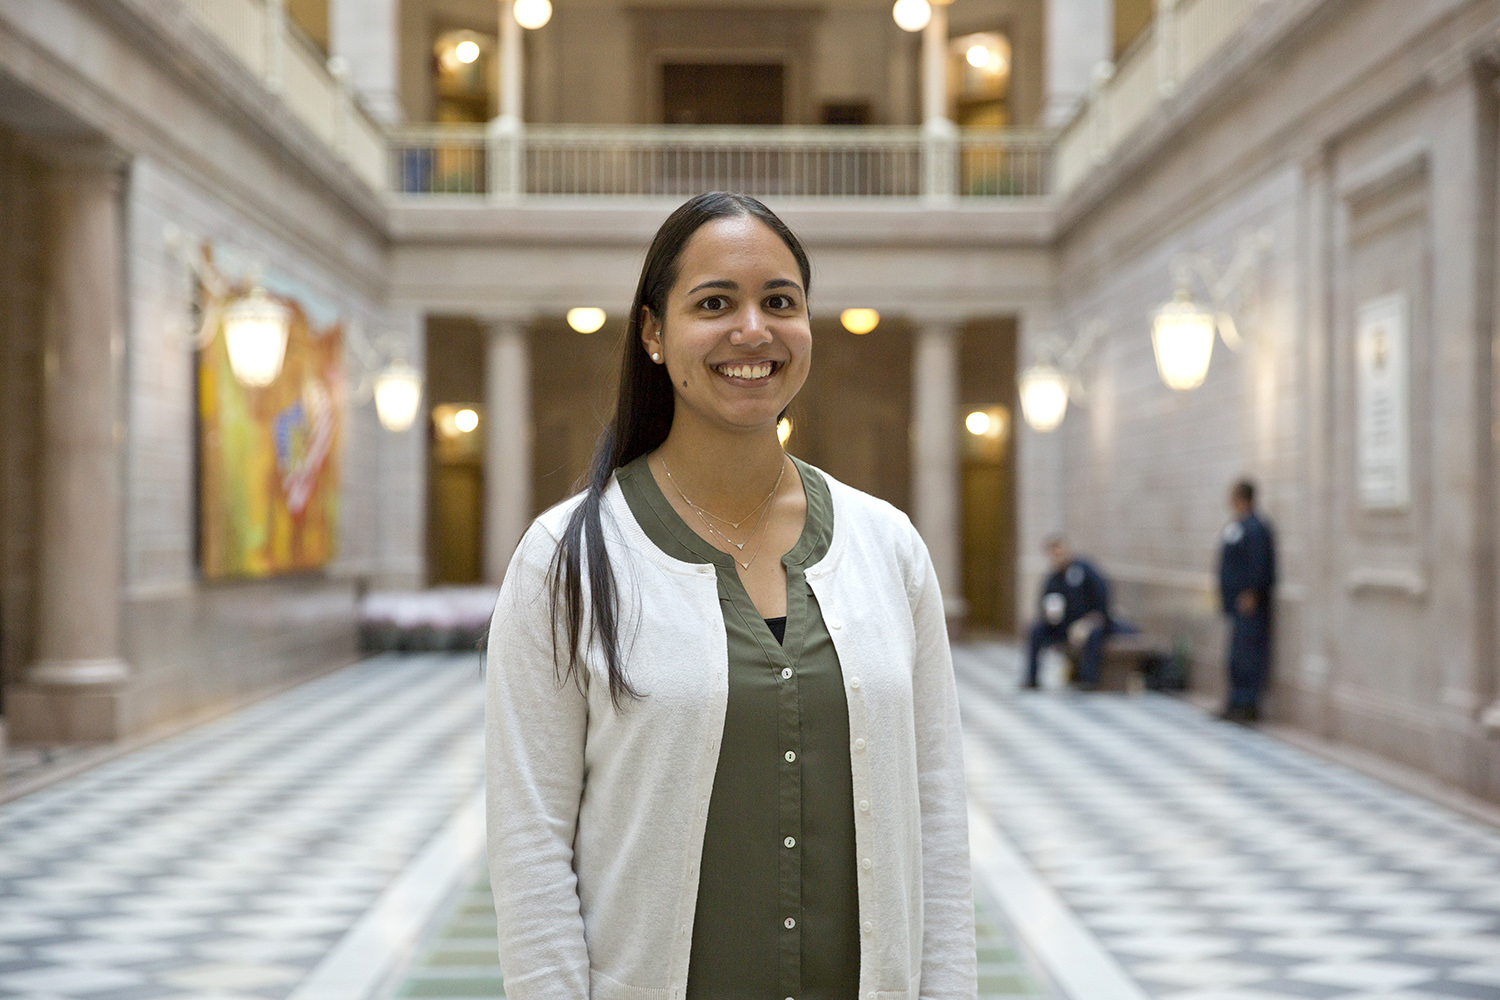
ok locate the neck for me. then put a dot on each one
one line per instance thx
(731, 470)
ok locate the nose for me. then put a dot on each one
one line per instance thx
(754, 332)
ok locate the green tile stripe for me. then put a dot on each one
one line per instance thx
(458, 960)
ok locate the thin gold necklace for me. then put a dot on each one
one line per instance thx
(704, 512)
(764, 507)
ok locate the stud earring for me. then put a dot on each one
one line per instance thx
(656, 357)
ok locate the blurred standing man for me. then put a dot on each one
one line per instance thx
(1247, 577)
(1075, 599)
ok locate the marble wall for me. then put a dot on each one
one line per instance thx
(1359, 141)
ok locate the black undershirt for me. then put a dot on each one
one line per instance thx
(778, 628)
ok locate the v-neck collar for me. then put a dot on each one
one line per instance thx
(676, 538)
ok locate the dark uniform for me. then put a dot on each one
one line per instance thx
(1076, 590)
(1247, 561)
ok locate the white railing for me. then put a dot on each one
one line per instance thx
(674, 161)
(258, 34)
(1185, 35)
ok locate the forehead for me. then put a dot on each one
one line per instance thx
(723, 247)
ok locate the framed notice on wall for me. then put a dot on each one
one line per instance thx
(1382, 397)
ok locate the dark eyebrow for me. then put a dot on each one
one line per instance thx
(716, 283)
(734, 287)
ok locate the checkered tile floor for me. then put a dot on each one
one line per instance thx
(1216, 863)
(224, 863)
(1212, 862)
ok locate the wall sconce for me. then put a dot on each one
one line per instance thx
(398, 394)
(1044, 397)
(255, 333)
(255, 336)
(1047, 384)
(1183, 331)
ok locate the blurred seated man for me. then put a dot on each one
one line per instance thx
(1074, 606)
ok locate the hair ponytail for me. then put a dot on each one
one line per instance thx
(643, 417)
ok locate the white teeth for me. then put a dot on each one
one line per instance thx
(762, 370)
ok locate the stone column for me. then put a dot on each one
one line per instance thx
(506, 149)
(512, 70)
(1080, 35)
(78, 606)
(935, 457)
(935, 67)
(939, 134)
(507, 444)
(366, 35)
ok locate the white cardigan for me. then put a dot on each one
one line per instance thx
(596, 817)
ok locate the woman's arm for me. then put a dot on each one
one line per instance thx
(948, 960)
(534, 739)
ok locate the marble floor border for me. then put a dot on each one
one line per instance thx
(1073, 959)
(382, 943)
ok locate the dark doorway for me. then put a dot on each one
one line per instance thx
(987, 430)
(723, 93)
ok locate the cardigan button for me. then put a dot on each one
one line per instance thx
(835, 623)
(868, 927)
(864, 805)
(859, 744)
(854, 683)
(865, 864)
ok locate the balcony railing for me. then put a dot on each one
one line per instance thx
(837, 162)
(1182, 38)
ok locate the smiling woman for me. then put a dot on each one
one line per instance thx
(722, 730)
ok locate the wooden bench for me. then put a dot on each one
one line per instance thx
(1126, 659)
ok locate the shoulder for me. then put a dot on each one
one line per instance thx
(868, 524)
(862, 511)
(553, 521)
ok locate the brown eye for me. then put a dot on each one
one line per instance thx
(713, 303)
(780, 303)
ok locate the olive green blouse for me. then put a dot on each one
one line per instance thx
(778, 901)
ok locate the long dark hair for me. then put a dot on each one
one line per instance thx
(643, 417)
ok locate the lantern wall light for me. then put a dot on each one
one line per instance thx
(1048, 384)
(1183, 330)
(255, 325)
(255, 333)
(398, 395)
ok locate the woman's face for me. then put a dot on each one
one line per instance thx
(736, 339)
